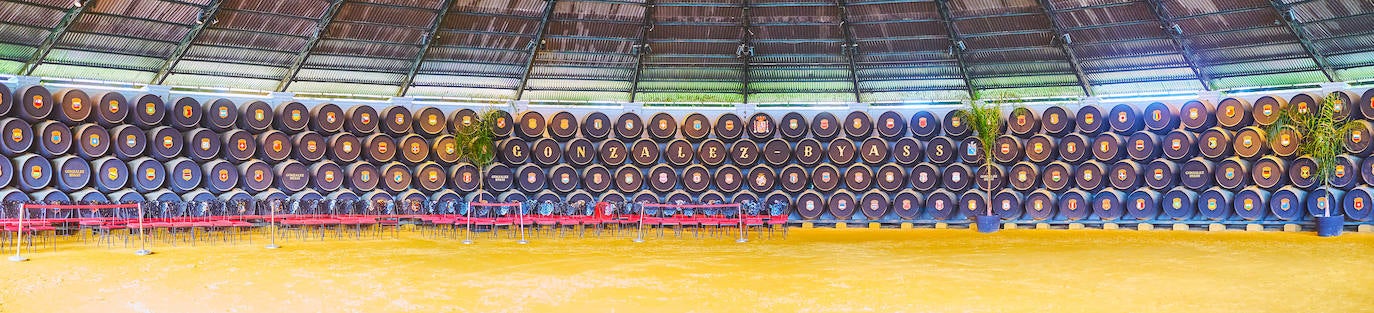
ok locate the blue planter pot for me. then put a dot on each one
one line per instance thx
(1330, 226)
(988, 223)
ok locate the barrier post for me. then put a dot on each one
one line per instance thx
(742, 225)
(272, 220)
(639, 236)
(468, 222)
(142, 236)
(520, 214)
(19, 238)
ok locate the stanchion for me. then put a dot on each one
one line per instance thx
(742, 225)
(272, 207)
(520, 214)
(19, 238)
(468, 222)
(23, 209)
(639, 236)
(142, 236)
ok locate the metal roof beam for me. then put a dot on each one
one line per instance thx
(851, 48)
(1064, 41)
(424, 48)
(746, 50)
(1180, 42)
(958, 46)
(323, 25)
(1295, 26)
(641, 48)
(534, 48)
(56, 34)
(206, 18)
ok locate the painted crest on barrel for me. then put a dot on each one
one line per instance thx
(1231, 110)
(56, 137)
(149, 174)
(891, 123)
(95, 140)
(205, 144)
(1158, 115)
(792, 123)
(1021, 119)
(760, 180)
(1178, 203)
(398, 177)
(1359, 203)
(434, 176)
(922, 122)
(414, 147)
(952, 176)
(382, 147)
(1211, 203)
(259, 115)
(366, 176)
(1159, 174)
(1139, 145)
(1089, 118)
(1106, 204)
(311, 146)
(1305, 172)
(150, 108)
(1021, 175)
(1230, 173)
(329, 176)
(1356, 136)
(1121, 116)
(629, 178)
(1192, 113)
(467, 178)
(401, 119)
(859, 177)
(922, 177)
(1176, 144)
(242, 144)
(185, 174)
(729, 178)
(330, 117)
(1073, 204)
(906, 204)
(792, 177)
(1266, 172)
(956, 121)
(1038, 147)
(223, 112)
(223, 175)
(76, 104)
(276, 146)
(1121, 174)
(186, 111)
(1340, 170)
(1105, 146)
(17, 135)
(1247, 141)
(1248, 204)
(434, 120)
(114, 106)
(1006, 148)
(1072, 147)
(167, 142)
(940, 205)
(1212, 142)
(1038, 205)
(1140, 204)
(258, 175)
(663, 124)
(1088, 175)
(1054, 176)
(696, 177)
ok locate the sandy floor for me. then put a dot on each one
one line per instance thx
(812, 271)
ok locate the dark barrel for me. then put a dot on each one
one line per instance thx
(547, 152)
(744, 153)
(943, 205)
(1075, 204)
(111, 174)
(956, 177)
(429, 176)
(1215, 143)
(697, 179)
(1109, 204)
(858, 177)
(564, 178)
(1073, 148)
(202, 145)
(1040, 205)
(1089, 120)
(256, 176)
(908, 205)
(971, 150)
(1143, 204)
(1303, 172)
(1366, 104)
(924, 125)
(345, 147)
(1024, 176)
(696, 127)
(183, 175)
(645, 152)
(1269, 172)
(729, 127)
(793, 179)
(990, 177)
(1357, 203)
(504, 126)
(292, 176)
(762, 179)
(808, 151)
(941, 150)
(148, 174)
(1249, 203)
(1215, 203)
(662, 178)
(1306, 103)
(1235, 113)
(776, 152)
(611, 153)
(874, 151)
(761, 126)
(825, 178)
(1346, 172)
(430, 122)
(220, 176)
(954, 124)
(1345, 106)
(19, 136)
(1197, 115)
(1023, 123)
(613, 197)
(531, 178)
(186, 114)
(33, 103)
(709, 197)
(580, 152)
(1057, 176)
(1058, 121)
(1367, 171)
(362, 120)
(858, 124)
(1179, 203)
(925, 177)
(220, 115)
(381, 148)
(890, 125)
(1160, 117)
(1251, 142)
(825, 126)
(72, 173)
(597, 179)
(905, 151)
(810, 205)
(239, 145)
(76, 106)
(1357, 138)
(1088, 176)
(1266, 111)
(974, 203)
(463, 177)
(275, 146)
(1125, 175)
(166, 143)
(498, 177)
(1197, 174)
(1007, 149)
(364, 177)
(1161, 174)
(258, 116)
(1007, 204)
(712, 152)
(842, 205)
(596, 126)
(1107, 147)
(55, 138)
(1041, 148)
(397, 120)
(6, 105)
(1179, 145)
(891, 177)
(327, 118)
(1322, 199)
(582, 197)
(92, 141)
(444, 150)
(629, 179)
(793, 126)
(662, 127)
(728, 179)
(1142, 146)
(874, 204)
(1125, 119)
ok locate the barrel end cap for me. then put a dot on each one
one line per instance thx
(1144, 226)
(1292, 228)
(1216, 227)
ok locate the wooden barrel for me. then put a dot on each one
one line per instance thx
(1109, 204)
(256, 176)
(943, 205)
(1088, 176)
(428, 176)
(1357, 138)
(579, 152)
(1320, 200)
(186, 114)
(874, 151)
(92, 141)
(72, 173)
(697, 179)
(19, 136)
(1215, 143)
(1197, 115)
(76, 106)
(858, 124)
(905, 151)
(728, 179)
(954, 124)
(629, 179)
(1125, 119)
(363, 176)
(1057, 176)
(793, 126)
(858, 178)
(50, 196)
(1266, 111)
(443, 150)
(503, 126)
(1057, 121)
(729, 127)
(776, 197)
(582, 197)
(463, 177)
(941, 150)
(1286, 145)
(220, 176)
(645, 152)
(712, 197)
(825, 178)
(460, 120)
(1161, 118)
(1125, 175)
(874, 204)
(794, 179)
(111, 174)
(6, 103)
(777, 152)
(1143, 204)
(1345, 106)
(1041, 148)
(1236, 113)
(1249, 203)
(1346, 173)
(744, 153)
(1357, 203)
(397, 120)
(1074, 204)
(548, 152)
(1179, 145)
(498, 178)
(711, 152)
(611, 153)
(275, 146)
(1269, 172)
(1215, 203)
(148, 174)
(312, 147)
(1107, 147)
(974, 203)
(513, 150)
(891, 178)
(645, 197)
(761, 126)
(1303, 172)
(56, 138)
(327, 177)
(166, 143)
(696, 127)
(1040, 205)
(662, 127)
(202, 144)
(1197, 174)
(809, 152)
(327, 118)
(183, 175)
(345, 148)
(1089, 121)
(662, 178)
(531, 178)
(810, 205)
(220, 115)
(925, 177)
(924, 125)
(613, 197)
(1251, 142)
(762, 179)
(596, 126)
(1024, 176)
(238, 145)
(823, 126)
(1179, 203)
(1008, 204)
(1143, 146)
(1307, 103)
(890, 125)
(254, 116)
(971, 150)
(293, 176)
(362, 120)
(428, 122)
(1023, 123)
(908, 205)
(564, 178)
(33, 103)
(532, 125)
(842, 205)
(1367, 171)
(1160, 174)
(990, 177)
(1073, 148)
(956, 177)
(1007, 149)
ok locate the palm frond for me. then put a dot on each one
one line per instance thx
(1321, 135)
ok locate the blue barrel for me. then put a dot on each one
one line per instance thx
(257, 176)
(908, 205)
(842, 205)
(1215, 143)
(1109, 204)
(970, 150)
(1057, 176)
(1161, 118)
(1179, 145)
(890, 125)
(1179, 204)
(1288, 203)
(1250, 203)
(6, 100)
(1089, 176)
(35, 172)
(397, 120)
(924, 125)
(186, 114)
(1143, 146)
(328, 118)
(362, 120)
(942, 205)
(955, 126)
(50, 196)
(55, 138)
(1075, 204)
(956, 177)
(644, 197)
(1197, 115)
(1346, 172)
(148, 111)
(1161, 174)
(1125, 119)
(311, 147)
(89, 195)
(595, 125)
(73, 173)
(13, 195)
(220, 176)
(1007, 149)
(940, 150)
(1357, 203)
(92, 141)
(1057, 121)
(1357, 138)
(165, 143)
(923, 177)
(1023, 123)
(33, 103)
(444, 197)
(257, 117)
(162, 195)
(236, 196)
(220, 115)
(110, 174)
(129, 142)
(1303, 172)
(1073, 148)
(127, 196)
(326, 176)
(1007, 204)
(1215, 203)
(1090, 120)
(974, 203)
(1235, 113)
(202, 145)
(345, 195)
(498, 177)
(1042, 148)
(616, 197)
(148, 174)
(345, 148)
(1125, 175)
(292, 117)
(363, 176)
(1024, 176)
(239, 146)
(274, 146)
(712, 196)
(1197, 174)
(1269, 172)
(274, 194)
(429, 177)
(1320, 200)
(1143, 204)
(809, 205)
(183, 175)
(1232, 173)
(19, 136)
(293, 176)
(1040, 205)
(1107, 147)
(991, 177)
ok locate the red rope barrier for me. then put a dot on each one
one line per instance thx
(79, 206)
(494, 204)
(691, 206)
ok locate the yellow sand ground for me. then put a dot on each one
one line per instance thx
(820, 270)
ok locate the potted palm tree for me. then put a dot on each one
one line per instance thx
(476, 144)
(1322, 137)
(985, 119)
